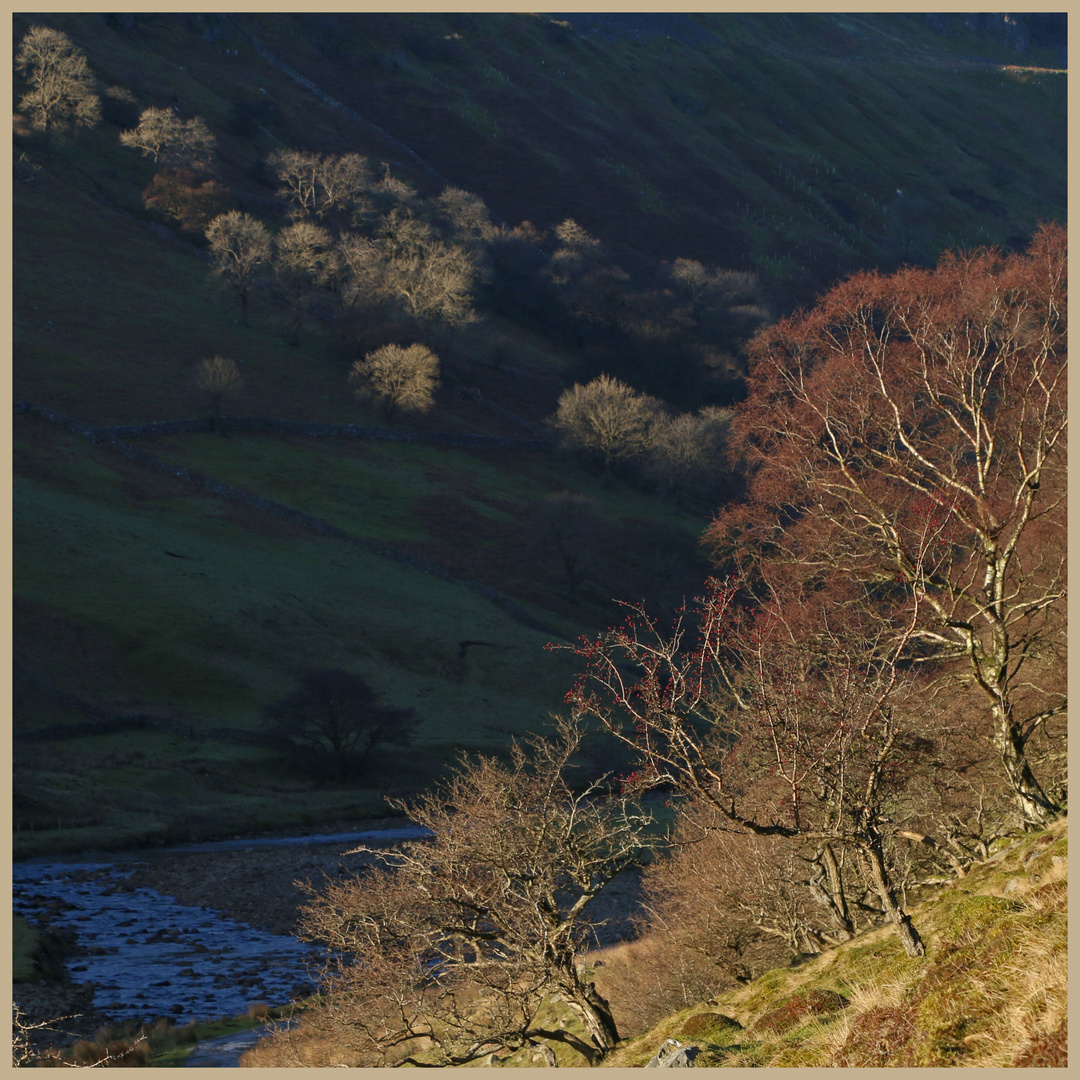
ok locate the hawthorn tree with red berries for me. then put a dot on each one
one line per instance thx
(926, 402)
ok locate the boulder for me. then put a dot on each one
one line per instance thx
(674, 1055)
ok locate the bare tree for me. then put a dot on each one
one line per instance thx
(240, 246)
(607, 419)
(686, 454)
(930, 400)
(303, 261)
(398, 378)
(754, 914)
(785, 720)
(163, 137)
(710, 286)
(216, 376)
(451, 951)
(339, 717)
(321, 184)
(62, 88)
(588, 279)
(467, 215)
(422, 277)
(358, 270)
(191, 199)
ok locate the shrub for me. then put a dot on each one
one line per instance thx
(710, 1026)
(115, 1053)
(185, 197)
(814, 1002)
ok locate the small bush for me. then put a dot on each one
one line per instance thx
(188, 199)
(116, 1053)
(710, 1026)
(811, 1003)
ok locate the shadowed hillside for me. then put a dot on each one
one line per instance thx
(181, 580)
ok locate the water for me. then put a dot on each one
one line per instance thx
(148, 955)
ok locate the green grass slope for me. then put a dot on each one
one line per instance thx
(991, 990)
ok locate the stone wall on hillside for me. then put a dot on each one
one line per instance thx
(229, 424)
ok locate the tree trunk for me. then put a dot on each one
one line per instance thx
(832, 894)
(595, 1014)
(1036, 806)
(879, 878)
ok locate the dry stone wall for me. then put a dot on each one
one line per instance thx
(105, 722)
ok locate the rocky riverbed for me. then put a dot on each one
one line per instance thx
(200, 932)
(259, 886)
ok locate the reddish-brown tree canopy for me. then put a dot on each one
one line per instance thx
(908, 435)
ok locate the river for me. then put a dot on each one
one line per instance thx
(147, 954)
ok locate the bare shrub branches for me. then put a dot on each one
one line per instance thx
(455, 944)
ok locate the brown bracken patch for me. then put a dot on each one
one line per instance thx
(1050, 1051)
(799, 1007)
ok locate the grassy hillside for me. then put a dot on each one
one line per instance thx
(779, 142)
(800, 145)
(754, 142)
(991, 991)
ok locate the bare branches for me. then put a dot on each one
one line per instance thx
(163, 137)
(789, 721)
(240, 246)
(397, 378)
(607, 418)
(61, 85)
(457, 942)
(324, 184)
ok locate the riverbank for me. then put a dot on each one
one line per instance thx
(263, 886)
(142, 956)
(257, 886)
